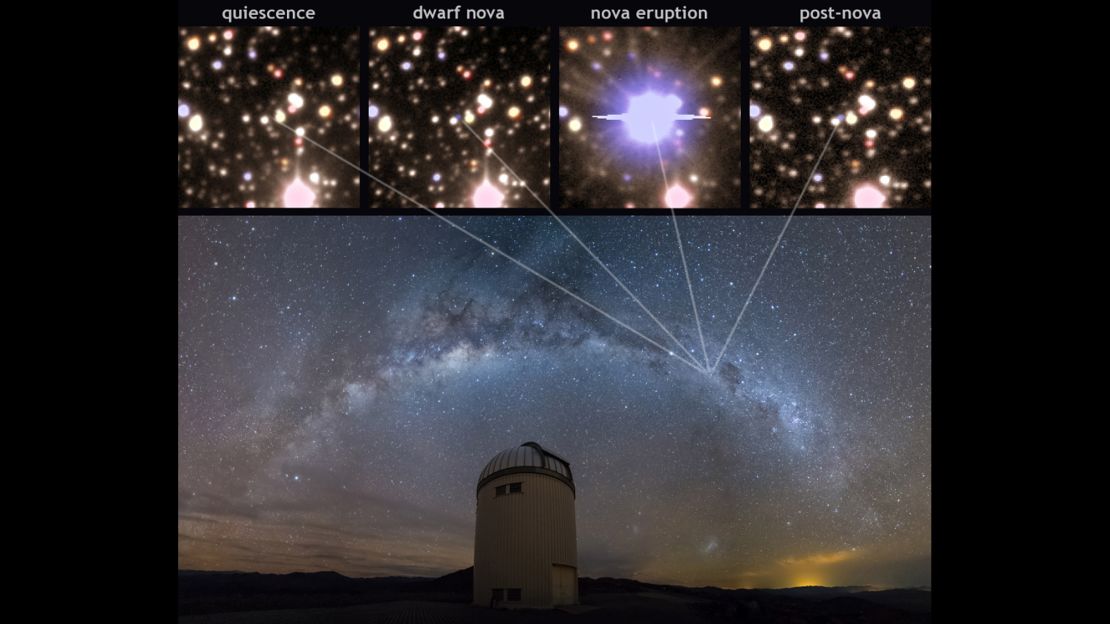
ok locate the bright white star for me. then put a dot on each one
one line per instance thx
(298, 195)
(651, 116)
(487, 196)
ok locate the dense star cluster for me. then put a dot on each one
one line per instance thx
(655, 85)
(442, 98)
(236, 87)
(343, 381)
(867, 87)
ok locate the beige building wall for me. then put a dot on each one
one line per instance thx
(520, 538)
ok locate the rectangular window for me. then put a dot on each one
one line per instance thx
(514, 488)
(501, 490)
(514, 595)
(508, 488)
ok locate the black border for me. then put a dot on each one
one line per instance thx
(363, 115)
(944, 576)
(564, 13)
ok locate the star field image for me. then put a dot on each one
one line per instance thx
(650, 117)
(343, 380)
(442, 98)
(237, 87)
(867, 87)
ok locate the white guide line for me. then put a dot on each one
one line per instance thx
(666, 185)
(775, 246)
(498, 251)
(681, 252)
(357, 168)
(503, 163)
(589, 251)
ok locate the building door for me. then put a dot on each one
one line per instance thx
(564, 584)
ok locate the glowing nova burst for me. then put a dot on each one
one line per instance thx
(651, 116)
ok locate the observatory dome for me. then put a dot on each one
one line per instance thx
(528, 457)
(525, 539)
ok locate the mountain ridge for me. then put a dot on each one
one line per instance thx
(201, 592)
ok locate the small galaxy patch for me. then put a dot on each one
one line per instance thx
(649, 117)
(250, 101)
(863, 92)
(448, 105)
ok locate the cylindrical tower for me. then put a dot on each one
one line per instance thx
(525, 548)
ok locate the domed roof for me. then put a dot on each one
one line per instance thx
(528, 457)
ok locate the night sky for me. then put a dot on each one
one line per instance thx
(343, 381)
(874, 84)
(235, 85)
(601, 71)
(428, 84)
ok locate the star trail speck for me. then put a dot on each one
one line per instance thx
(236, 86)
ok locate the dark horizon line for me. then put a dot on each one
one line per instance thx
(859, 588)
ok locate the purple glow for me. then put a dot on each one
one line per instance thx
(651, 116)
(868, 196)
(298, 195)
(487, 196)
(677, 197)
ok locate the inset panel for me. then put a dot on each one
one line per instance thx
(649, 117)
(459, 117)
(250, 103)
(862, 92)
